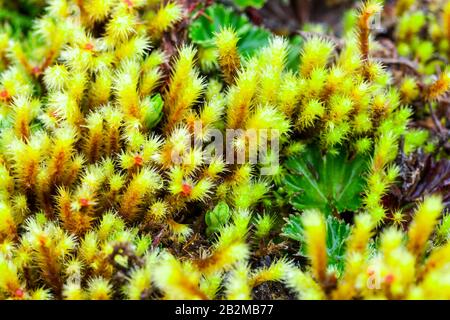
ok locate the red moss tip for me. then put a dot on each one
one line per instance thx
(186, 189)
(54, 114)
(84, 202)
(4, 94)
(389, 278)
(19, 293)
(129, 3)
(89, 46)
(36, 71)
(138, 160)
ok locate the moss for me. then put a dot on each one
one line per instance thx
(116, 183)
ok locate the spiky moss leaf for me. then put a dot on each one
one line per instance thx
(216, 17)
(337, 233)
(329, 182)
(7, 123)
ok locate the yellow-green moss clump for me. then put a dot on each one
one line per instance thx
(102, 186)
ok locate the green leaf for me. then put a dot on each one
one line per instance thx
(5, 123)
(217, 218)
(330, 182)
(202, 30)
(16, 17)
(293, 58)
(337, 234)
(250, 3)
(294, 228)
(153, 112)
